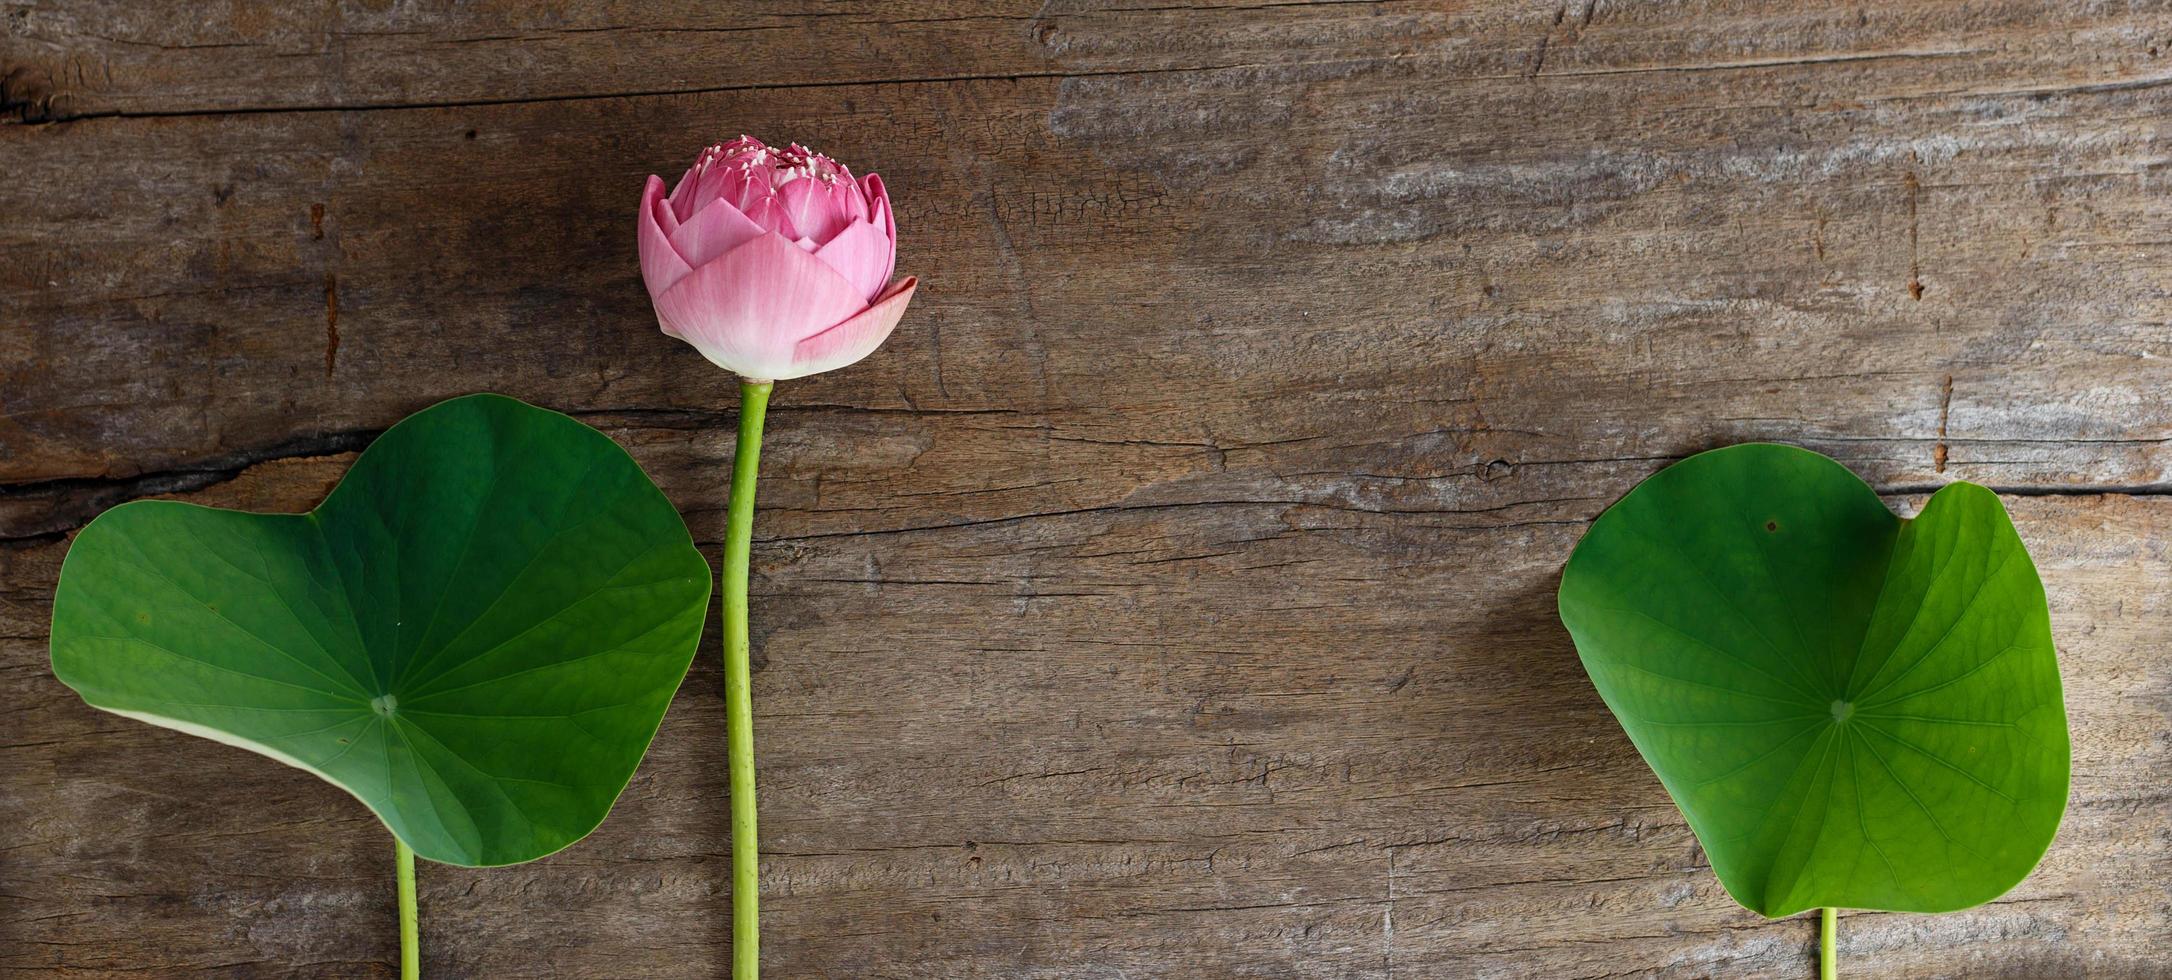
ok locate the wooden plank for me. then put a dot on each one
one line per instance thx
(240, 247)
(93, 58)
(1172, 741)
(1172, 596)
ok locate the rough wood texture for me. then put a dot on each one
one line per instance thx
(1172, 596)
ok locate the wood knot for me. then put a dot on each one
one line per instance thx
(28, 94)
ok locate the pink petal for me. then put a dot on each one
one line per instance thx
(666, 218)
(814, 212)
(854, 338)
(713, 231)
(682, 193)
(765, 210)
(853, 198)
(745, 187)
(862, 255)
(878, 197)
(660, 262)
(746, 309)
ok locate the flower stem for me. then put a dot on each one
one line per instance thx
(1828, 961)
(738, 698)
(410, 946)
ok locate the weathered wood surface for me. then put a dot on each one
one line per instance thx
(1172, 596)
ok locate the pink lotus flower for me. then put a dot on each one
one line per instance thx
(772, 262)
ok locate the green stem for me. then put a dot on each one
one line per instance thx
(410, 946)
(1828, 962)
(738, 698)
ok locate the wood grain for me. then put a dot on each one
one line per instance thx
(1172, 596)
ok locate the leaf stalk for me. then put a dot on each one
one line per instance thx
(1828, 960)
(738, 695)
(410, 943)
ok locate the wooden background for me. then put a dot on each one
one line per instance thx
(1173, 595)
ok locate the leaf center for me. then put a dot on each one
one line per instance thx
(1842, 710)
(385, 704)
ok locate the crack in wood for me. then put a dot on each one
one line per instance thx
(331, 323)
(82, 498)
(51, 116)
(1915, 260)
(1945, 409)
(74, 501)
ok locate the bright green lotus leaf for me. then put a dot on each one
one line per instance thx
(1852, 710)
(476, 634)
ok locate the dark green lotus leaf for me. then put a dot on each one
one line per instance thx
(476, 634)
(1852, 710)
